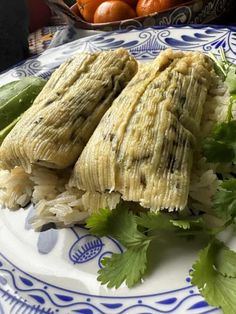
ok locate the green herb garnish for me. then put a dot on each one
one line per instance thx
(221, 146)
(214, 274)
(136, 232)
(225, 200)
(227, 71)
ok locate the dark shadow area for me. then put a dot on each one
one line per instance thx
(13, 32)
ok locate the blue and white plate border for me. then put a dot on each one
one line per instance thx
(144, 44)
(21, 293)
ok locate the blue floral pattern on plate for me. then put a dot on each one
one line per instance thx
(54, 271)
(21, 293)
(143, 44)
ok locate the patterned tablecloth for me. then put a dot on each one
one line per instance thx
(41, 39)
(53, 36)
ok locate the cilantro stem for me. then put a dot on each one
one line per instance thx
(218, 230)
(222, 55)
(221, 68)
(228, 222)
(194, 233)
(229, 113)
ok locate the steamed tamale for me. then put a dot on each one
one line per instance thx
(142, 149)
(54, 131)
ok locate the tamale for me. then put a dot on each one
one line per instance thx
(54, 131)
(143, 147)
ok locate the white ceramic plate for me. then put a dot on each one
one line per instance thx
(55, 271)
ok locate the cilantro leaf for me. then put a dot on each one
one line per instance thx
(226, 262)
(225, 199)
(218, 289)
(226, 70)
(216, 151)
(230, 79)
(128, 267)
(182, 224)
(125, 228)
(119, 223)
(98, 222)
(154, 221)
(232, 101)
(136, 232)
(220, 65)
(226, 132)
(162, 222)
(188, 223)
(221, 146)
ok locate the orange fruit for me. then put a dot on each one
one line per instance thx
(113, 10)
(132, 3)
(87, 8)
(145, 7)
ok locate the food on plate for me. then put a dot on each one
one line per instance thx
(15, 98)
(160, 165)
(211, 201)
(113, 10)
(144, 153)
(54, 131)
(142, 149)
(214, 271)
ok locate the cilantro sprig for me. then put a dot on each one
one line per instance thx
(225, 200)
(136, 232)
(226, 70)
(130, 266)
(221, 146)
(214, 274)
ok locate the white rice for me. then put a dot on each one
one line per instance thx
(59, 203)
(15, 188)
(204, 181)
(65, 209)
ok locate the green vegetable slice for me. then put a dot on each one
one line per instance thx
(6, 130)
(17, 97)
